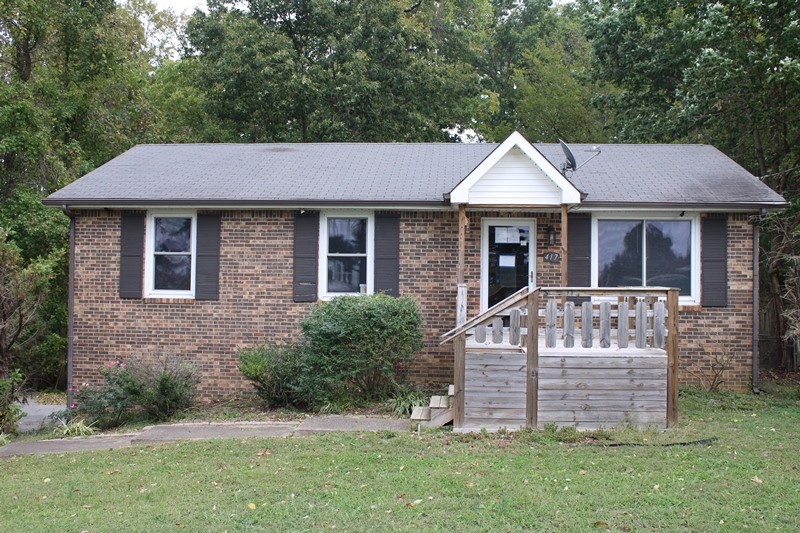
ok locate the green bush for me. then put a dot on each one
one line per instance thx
(354, 349)
(272, 369)
(358, 347)
(134, 388)
(10, 413)
(107, 405)
(161, 388)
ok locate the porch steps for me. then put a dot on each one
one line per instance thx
(437, 413)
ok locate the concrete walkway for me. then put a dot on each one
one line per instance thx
(36, 415)
(199, 431)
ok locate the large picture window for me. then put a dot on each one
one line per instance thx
(170, 255)
(646, 252)
(347, 254)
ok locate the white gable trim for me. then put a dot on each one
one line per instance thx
(569, 194)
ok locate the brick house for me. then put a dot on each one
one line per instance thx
(195, 250)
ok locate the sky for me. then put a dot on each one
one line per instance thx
(179, 6)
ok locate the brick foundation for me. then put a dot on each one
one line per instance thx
(255, 302)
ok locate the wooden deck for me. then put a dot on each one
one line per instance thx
(618, 373)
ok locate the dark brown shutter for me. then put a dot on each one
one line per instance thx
(207, 276)
(387, 254)
(306, 257)
(579, 250)
(131, 255)
(714, 261)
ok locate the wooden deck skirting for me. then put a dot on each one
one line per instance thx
(605, 362)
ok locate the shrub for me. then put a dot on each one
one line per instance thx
(108, 405)
(272, 369)
(357, 348)
(10, 413)
(161, 388)
(354, 349)
(156, 390)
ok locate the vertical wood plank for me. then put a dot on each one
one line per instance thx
(564, 246)
(586, 324)
(497, 330)
(462, 242)
(672, 357)
(569, 325)
(461, 304)
(550, 323)
(605, 324)
(514, 324)
(480, 333)
(532, 385)
(641, 324)
(459, 366)
(658, 324)
(623, 334)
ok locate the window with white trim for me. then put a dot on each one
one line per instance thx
(647, 251)
(346, 253)
(171, 255)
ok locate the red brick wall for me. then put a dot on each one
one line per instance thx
(255, 302)
(256, 298)
(709, 335)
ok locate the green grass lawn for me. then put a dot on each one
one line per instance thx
(747, 480)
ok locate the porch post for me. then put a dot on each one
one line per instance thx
(564, 243)
(461, 296)
(532, 381)
(459, 349)
(672, 357)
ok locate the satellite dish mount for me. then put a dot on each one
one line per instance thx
(571, 164)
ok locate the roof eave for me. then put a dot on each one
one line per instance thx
(225, 203)
(741, 206)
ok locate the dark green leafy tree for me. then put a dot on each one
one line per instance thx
(319, 70)
(725, 73)
(72, 79)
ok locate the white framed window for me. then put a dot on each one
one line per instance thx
(653, 250)
(170, 259)
(347, 253)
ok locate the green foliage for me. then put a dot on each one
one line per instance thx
(161, 388)
(405, 400)
(72, 428)
(293, 70)
(358, 347)
(23, 288)
(355, 349)
(107, 405)
(272, 369)
(134, 389)
(10, 413)
(42, 236)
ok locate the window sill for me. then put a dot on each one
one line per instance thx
(169, 300)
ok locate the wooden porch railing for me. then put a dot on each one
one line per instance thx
(630, 320)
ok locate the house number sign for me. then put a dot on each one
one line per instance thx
(552, 257)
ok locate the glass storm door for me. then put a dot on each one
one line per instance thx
(506, 259)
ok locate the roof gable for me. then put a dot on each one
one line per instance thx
(515, 173)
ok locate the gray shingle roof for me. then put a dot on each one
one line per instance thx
(310, 174)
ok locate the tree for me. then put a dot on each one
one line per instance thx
(554, 96)
(725, 72)
(319, 70)
(22, 291)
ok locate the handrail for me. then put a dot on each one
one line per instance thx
(515, 298)
(520, 295)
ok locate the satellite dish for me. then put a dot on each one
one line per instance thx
(570, 163)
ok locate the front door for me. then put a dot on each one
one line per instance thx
(508, 246)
